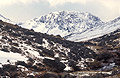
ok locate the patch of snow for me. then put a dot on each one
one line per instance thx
(82, 63)
(84, 75)
(49, 58)
(64, 61)
(68, 68)
(109, 66)
(32, 74)
(12, 57)
(89, 60)
(22, 68)
(46, 44)
(30, 49)
(1, 66)
(56, 55)
(0, 36)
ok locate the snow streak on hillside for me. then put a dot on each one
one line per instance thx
(2, 18)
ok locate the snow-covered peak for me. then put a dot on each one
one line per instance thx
(63, 23)
(72, 25)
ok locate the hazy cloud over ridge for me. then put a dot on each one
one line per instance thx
(10, 2)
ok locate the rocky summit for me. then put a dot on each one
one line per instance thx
(28, 54)
(72, 25)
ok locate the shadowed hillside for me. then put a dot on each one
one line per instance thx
(29, 54)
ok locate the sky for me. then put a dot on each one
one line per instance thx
(23, 10)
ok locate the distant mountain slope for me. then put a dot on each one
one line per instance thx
(72, 25)
(108, 49)
(96, 31)
(6, 19)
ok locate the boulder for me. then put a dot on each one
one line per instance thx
(54, 64)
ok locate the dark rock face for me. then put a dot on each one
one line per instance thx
(22, 63)
(8, 71)
(4, 49)
(48, 52)
(104, 56)
(15, 50)
(54, 64)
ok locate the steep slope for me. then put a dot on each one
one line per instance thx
(108, 49)
(95, 32)
(29, 54)
(73, 26)
(25, 52)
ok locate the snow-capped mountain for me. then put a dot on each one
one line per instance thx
(72, 25)
(63, 23)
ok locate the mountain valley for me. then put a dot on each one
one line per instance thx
(30, 54)
(60, 45)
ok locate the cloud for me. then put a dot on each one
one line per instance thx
(57, 2)
(106, 9)
(113, 6)
(10, 2)
(111, 3)
(106, 3)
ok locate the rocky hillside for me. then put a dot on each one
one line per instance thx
(72, 25)
(107, 47)
(29, 54)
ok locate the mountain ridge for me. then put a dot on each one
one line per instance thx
(2, 18)
(65, 22)
(72, 25)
